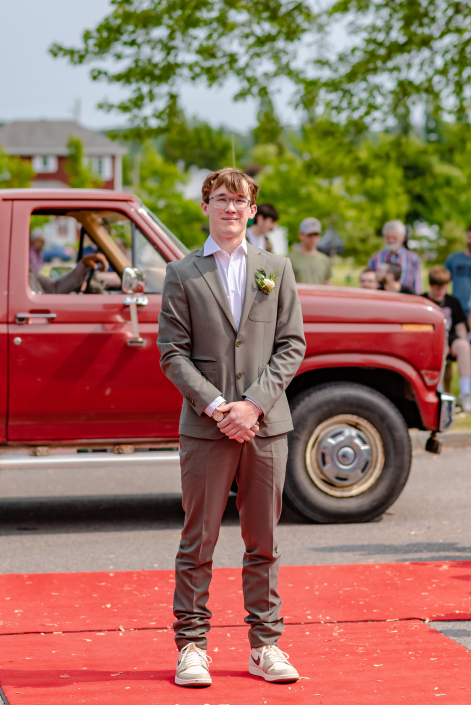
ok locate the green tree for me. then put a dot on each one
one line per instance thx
(153, 47)
(80, 175)
(160, 190)
(195, 143)
(400, 53)
(14, 172)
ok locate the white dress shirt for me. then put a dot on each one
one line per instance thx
(256, 240)
(233, 272)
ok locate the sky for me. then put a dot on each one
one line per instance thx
(35, 85)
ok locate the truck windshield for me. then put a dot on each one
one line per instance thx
(143, 209)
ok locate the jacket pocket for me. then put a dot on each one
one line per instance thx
(263, 309)
(205, 365)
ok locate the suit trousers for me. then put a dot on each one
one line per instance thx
(208, 469)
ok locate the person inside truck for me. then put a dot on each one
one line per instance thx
(368, 279)
(70, 282)
(389, 278)
(36, 256)
(459, 348)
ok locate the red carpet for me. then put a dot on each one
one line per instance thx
(338, 635)
(136, 600)
(342, 664)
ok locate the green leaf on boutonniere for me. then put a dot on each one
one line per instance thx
(266, 282)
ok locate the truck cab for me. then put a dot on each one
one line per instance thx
(80, 373)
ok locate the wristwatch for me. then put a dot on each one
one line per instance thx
(219, 415)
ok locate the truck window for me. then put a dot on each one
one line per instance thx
(59, 242)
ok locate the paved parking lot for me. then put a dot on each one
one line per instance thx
(130, 518)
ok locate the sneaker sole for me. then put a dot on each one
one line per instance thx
(197, 682)
(256, 671)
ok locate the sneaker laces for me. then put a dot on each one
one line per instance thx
(275, 655)
(194, 656)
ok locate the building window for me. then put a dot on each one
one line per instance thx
(103, 166)
(45, 164)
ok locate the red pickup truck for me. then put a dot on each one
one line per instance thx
(81, 382)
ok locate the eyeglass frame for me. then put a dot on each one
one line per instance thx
(232, 200)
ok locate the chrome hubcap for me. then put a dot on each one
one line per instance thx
(345, 456)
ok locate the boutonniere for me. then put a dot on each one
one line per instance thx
(266, 282)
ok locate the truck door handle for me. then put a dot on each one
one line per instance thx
(133, 302)
(22, 318)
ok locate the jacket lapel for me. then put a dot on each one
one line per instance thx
(255, 261)
(209, 269)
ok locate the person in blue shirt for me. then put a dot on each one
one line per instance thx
(459, 266)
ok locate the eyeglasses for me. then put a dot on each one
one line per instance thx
(221, 202)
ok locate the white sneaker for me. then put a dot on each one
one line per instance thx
(271, 663)
(192, 667)
(465, 402)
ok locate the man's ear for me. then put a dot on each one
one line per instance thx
(204, 208)
(253, 210)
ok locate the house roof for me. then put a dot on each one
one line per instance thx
(49, 137)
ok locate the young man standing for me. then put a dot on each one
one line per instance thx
(231, 339)
(264, 222)
(389, 278)
(309, 265)
(459, 348)
(459, 266)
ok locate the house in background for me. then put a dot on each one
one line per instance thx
(44, 144)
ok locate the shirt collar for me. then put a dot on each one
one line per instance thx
(211, 246)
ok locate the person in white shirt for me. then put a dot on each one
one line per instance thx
(264, 222)
(231, 343)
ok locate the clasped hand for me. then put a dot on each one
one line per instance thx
(242, 423)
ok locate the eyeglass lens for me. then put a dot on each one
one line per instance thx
(222, 203)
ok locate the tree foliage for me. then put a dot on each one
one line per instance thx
(152, 47)
(398, 53)
(160, 190)
(80, 175)
(14, 172)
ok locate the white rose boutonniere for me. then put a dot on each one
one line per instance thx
(266, 282)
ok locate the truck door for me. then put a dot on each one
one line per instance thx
(5, 224)
(73, 373)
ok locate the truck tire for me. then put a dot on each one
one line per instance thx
(349, 454)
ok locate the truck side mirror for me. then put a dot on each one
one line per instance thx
(133, 281)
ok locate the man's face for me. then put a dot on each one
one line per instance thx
(229, 222)
(368, 280)
(310, 240)
(382, 273)
(38, 244)
(437, 292)
(468, 240)
(394, 239)
(266, 225)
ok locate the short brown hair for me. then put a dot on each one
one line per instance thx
(438, 276)
(235, 180)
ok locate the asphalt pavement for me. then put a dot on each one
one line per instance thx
(129, 518)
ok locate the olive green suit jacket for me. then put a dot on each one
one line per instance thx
(204, 355)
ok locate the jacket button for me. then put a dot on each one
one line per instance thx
(238, 343)
(239, 375)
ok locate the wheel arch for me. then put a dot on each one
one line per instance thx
(392, 383)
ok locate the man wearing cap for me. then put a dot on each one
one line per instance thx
(310, 266)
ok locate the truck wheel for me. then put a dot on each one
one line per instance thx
(349, 454)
